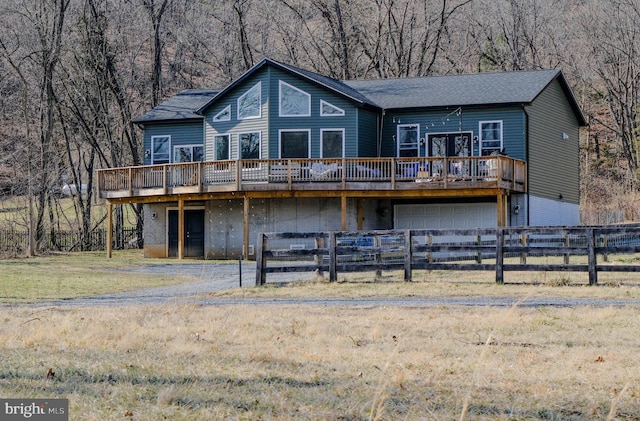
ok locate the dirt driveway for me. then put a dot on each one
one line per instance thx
(213, 277)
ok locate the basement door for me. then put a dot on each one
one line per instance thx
(193, 233)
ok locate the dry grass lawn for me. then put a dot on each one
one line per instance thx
(179, 361)
(315, 363)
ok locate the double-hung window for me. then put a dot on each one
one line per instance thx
(408, 135)
(161, 147)
(490, 137)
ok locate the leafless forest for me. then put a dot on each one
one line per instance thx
(73, 73)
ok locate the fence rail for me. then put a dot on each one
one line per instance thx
(17, 241)
(471, 249)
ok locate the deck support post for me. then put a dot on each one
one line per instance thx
(110, 231)
(502, 210)
(343, 205)
(180, 229)
(245, 225)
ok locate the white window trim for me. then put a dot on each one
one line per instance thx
(293, 131)
(153, 139)
(332, 130)
(480, 141)
(416, 125)
(226, 110)
(194, 145)
(215, 150)
(323, 102)
(259, 142)
(280, 113)
(259, 87)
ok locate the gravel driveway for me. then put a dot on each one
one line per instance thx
(212, 277)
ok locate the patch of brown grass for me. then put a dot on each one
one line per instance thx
(299, 362)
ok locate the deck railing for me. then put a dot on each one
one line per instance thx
(441, 172)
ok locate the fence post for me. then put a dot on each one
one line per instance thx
(591, 253)
(499, 255)
(408, 255)
(319, 244)
(333, 265)
(261, 261)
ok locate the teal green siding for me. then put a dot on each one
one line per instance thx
(181, 134)
(554, 162)
(367, 134)
(449, 121)
(235, 127)
(315, 122)
(271, 123)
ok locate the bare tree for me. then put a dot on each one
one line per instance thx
(519, 34)
(34, 48)
(613, 43)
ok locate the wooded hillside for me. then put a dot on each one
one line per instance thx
(73, 73)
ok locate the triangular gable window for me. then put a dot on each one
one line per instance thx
(224, 115)
(249, 103)
(294, 102)
(330, 110)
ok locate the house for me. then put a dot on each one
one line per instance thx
(285, 149)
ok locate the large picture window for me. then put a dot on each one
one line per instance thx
(221, 149)
(332, 143)
(295, 143)
(294, 102)
(249, 145)
(490, 137)
(188, 153)
(161, 147)
(249, 103)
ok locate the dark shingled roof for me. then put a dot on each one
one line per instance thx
(456, 90)
(504, 88)
(182, 106)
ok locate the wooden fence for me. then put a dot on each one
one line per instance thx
(491, 249)
(17, 241)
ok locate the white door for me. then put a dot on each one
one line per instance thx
(445, 216)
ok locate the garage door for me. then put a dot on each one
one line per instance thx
(445, 215)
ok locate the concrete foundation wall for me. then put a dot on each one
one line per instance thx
(547, 212)
(155, 230)
(224, 221)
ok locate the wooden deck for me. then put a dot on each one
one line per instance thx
(357, 177)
